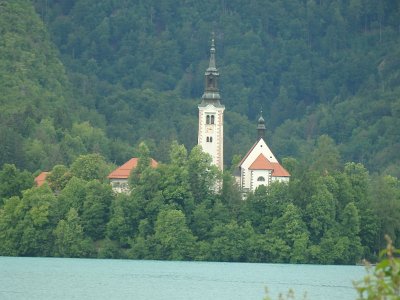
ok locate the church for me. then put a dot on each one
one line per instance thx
(259, 166)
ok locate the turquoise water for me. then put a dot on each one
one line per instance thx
(64, 278)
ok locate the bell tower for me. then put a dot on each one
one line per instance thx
(211, 115)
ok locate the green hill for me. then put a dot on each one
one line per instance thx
(133, 71)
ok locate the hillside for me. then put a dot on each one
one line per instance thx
(84, 82)
(103, 75)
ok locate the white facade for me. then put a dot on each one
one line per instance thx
(259, 167)
(248, 180)
(211, 132)
(211, 115)
(120, 185)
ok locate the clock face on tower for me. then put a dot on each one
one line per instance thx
(209, 129)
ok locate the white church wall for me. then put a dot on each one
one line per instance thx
(210, 135)
(260, 148)
(259, 177)
(280, 179)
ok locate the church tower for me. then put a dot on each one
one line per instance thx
(211, 115)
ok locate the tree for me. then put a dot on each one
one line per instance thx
(69, 237)
(351, 229)
(72, 196)
(202, 175)
(96, 209)
(326, 157)
(384, 281)
(25, 224)
(125, 214)
(93, 139)
(175, 181)
(386, 203)
(292, 229)
(89, 167)
(58, 177)
(320, 213)
(173, 238)
(230, 241)
(13, 182)
(359, 180)
(144, 162)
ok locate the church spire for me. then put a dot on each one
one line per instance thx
(261, 127)
(211, 65)
(211, 92)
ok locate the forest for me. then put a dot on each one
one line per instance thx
(86, 84)
(324, 215)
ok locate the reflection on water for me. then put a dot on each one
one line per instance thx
(57, 278)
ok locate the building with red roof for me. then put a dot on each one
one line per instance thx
(41, 178)
(259, 166)
(119, 177)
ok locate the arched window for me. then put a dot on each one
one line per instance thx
(210, 139)
(212, 119)
(260, 178)
(208, 119)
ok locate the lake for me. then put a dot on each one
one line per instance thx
(66, 278)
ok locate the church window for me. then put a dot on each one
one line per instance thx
(260, 178)
(211, 82)
(210, 139)
(208, 119)
(212, 119)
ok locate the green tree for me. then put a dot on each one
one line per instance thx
(125, 213)
(72, 196)
(96, 209)
(230, 241)
(69, 237)
(89, 167)
(173, 238)
(326, 157)
(144, 162)
(58, 177)
(292, 229)
(26, 223)
(93, 139)
(386, 202)
(384, 280)
(350, 223)
(320, 213)
(13, 182)
(202, 175)
(175, 180)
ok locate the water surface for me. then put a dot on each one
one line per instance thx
(65, 278)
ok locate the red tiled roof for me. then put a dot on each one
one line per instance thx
(124, 171)
(262, 163)
(41, 178)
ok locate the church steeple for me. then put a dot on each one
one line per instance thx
(211, 92)
(212, 65)
(211, 114)
(261, 127)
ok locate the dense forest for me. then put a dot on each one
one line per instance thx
(83, 83)
(174, 212)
